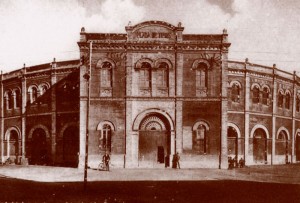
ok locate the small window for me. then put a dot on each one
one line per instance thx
(43, 89)
(10, 100)
(105, 138)
(200, 143)
(297, 104)
(235, 93)
(201, 75)
(17, 98)
(163, 75)
(265, 96)
(106, 75)
(280, 100)
(145, 75)
(255, 95)
(287, 100)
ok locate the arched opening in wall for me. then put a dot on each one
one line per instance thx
(260, 146)
(13, 144)
(282, 145)
(154, 141)
(298, 146)
(39, 151)
(105, 139)
(71, 146)
(232, 142)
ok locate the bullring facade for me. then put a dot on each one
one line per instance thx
(144, 95)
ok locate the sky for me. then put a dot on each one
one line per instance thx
(34, 31)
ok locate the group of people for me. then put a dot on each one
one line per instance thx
(232, 163)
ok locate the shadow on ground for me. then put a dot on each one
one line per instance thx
(15, 190)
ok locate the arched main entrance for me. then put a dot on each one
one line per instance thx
(260, 146)
(297, 146)
(71, 146)
(39, 152)
(154, 141)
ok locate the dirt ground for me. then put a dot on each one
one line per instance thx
(54, 184)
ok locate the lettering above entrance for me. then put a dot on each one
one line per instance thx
(152, 31)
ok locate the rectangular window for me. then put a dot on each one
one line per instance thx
(144, 78)
(105, 78)
(162, 79)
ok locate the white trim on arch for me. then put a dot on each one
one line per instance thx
(259, 126)
(283, 129)
(7, 133)
(235, 82)
(36, 127)
(71, 124)
(296, 133)
(102, 123)
(195, 126)
(236, 128)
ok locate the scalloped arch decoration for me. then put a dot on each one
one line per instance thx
(102, 60)
(138, 64)
(197, 61)
(152, 123)
(163, 60)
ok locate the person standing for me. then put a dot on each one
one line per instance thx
(106, 159)
(177, 160)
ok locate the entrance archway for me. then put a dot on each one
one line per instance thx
(232, 142)
(282, 144)
(260, 146)
(39, 152)
(13, 143)
(297, 146)
(71, 146)
(154, 141)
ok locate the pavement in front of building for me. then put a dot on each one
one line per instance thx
(273, 174)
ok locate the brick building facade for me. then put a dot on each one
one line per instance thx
(146, 94)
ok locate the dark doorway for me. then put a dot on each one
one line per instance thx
(232, 140)
(298, 147)
(260, 146)
(14, 143)
(39, 153)
(160, 154)
(71, 146)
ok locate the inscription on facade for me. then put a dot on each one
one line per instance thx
(153, 35)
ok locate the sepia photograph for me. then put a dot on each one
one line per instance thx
(149, 101)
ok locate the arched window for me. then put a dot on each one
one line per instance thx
(43, 89)
(280, 99)
(145, 75)
(163, 75)
(17, 98)
(235, 92)
(265, 96)
(32, 94)
(105, 138)
(10, 100)
(201, 75)
(106, 74)
(200, 138)
(255, 94)
(287, 100)
(297, 103)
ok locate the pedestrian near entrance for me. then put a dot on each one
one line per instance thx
(178, 158)
(175, 161)
(105, 160)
